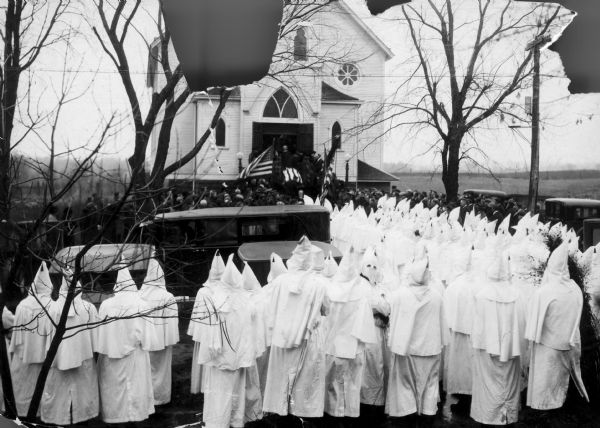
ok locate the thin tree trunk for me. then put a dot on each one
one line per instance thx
(450, 172)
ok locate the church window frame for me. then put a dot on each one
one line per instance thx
(336, 134)
(348, 74)
(300, 45)
(281, 105)
(220, 133)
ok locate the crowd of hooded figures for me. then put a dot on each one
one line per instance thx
(132, 334)
(419, 305)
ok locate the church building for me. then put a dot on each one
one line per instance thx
(325, 83)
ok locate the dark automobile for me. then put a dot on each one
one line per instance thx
(187, 240)
(258, 254)
(486, 193)
(571, 211)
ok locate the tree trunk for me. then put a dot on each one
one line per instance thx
(5, 375)
(450, 172)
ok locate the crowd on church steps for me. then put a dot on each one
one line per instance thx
(419, 305)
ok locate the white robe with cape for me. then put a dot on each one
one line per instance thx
(459, 300)
(553, 329)
(71, 392)
(228, 354)
(165, 323)
(497, 337)
(296, 373)
(349, 327)
(375, 374)
(29, 339)
(416, 342)
(124, 370)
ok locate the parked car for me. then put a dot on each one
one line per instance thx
(591, 232)
(571, 211)
(100, 265)
(186, 241)
(486, 193)
(258, 254)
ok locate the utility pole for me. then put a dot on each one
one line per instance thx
(534, 169)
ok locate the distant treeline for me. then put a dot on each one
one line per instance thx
(544, 175)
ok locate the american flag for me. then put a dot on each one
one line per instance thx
(261, 166)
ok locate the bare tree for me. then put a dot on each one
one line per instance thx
(461, 77)
(29, 28)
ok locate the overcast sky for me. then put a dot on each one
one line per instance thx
(569, 137)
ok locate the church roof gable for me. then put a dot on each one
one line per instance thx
(357, 19)
(329, 93)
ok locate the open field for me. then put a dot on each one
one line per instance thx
(567, 185)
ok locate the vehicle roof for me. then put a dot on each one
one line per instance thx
(576, 202)
(261, 251)
(487, 192)
(104, 257)
(245, 211)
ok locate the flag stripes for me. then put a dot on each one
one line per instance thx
(261, 166)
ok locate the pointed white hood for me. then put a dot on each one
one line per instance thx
(347, 268)
(331, 267)
(277, 267)
(125, 283)
(369, 267)
(557, 269)
(317, 259)
(217, 268)
(154, 287)
(300, 260)
(232, 277)
(418, 272)
(249, 280)
(42, 285)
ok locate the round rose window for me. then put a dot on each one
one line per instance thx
(348, 74)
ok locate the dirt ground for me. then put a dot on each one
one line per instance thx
(185, 409)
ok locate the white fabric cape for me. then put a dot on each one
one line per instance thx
(416, 322)
(497, 323)
(349, 324)
(125, 328)
(295, 306)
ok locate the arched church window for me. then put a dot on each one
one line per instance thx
(300, 50)
(220, 133)
(281, 105)
(336, 136)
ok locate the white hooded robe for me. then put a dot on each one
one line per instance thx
(349, 327)
(296, 374)
(71, 392)
(29, 339)
(228, 354)
(459, 299)
(124, 339)
(416, 341)
(165, 323)
(216, 272)
(497, 336)
(553, 329)
(375, 374)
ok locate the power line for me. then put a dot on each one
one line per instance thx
(482, 75)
